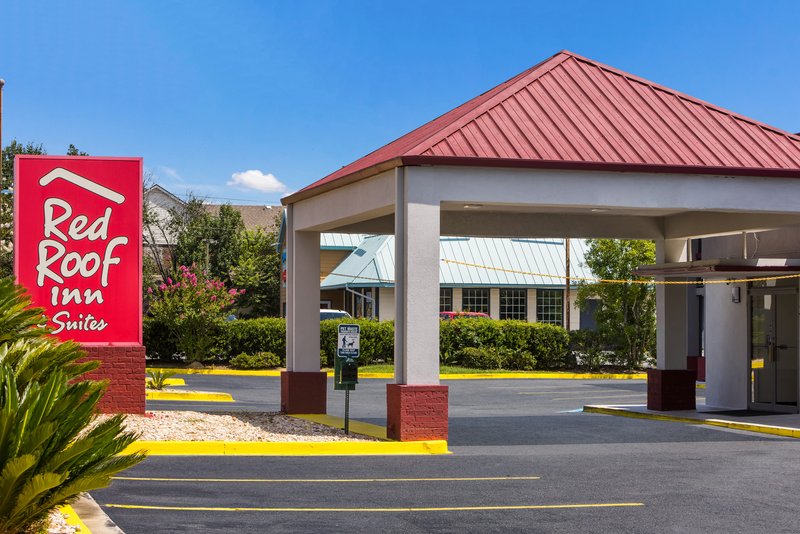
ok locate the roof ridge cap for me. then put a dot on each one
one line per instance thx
(476, 111)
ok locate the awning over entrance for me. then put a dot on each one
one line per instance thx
(716, 268)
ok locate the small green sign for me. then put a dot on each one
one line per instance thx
(345, 368)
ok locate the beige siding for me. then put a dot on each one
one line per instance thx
(329, 260)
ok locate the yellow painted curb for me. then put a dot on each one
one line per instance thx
(199, 396)
(228, 372)
(639, 415)
(358, 427)
(293, 448)
(171, 381)
(547, 375)
(73, 519)
(454, 376)
(733, 425)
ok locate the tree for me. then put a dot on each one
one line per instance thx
(258, 271)
(203, 238)
(626, 315)
(7, 202)
(7, 198)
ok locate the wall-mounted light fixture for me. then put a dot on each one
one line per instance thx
(736, 294)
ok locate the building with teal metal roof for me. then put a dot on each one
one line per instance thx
(505, 278)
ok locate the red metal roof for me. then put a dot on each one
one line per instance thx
(572, 112)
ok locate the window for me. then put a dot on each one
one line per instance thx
(514, 304)
(550, 306)
(475, 300)
(445, 299)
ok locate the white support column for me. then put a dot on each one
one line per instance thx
(416, 287)
(532, 305)
(727, 347)
(302, 314)
(494, 302)
(457, 299)
(671, 307)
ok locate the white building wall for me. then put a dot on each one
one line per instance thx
(726, 347)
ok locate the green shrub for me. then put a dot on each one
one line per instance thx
(519, 360)
(158, 341)
(587, 348)
(250, 336)
(550, 345)
(481, 358)
(48, 452)
(259, 360)
(377, 340)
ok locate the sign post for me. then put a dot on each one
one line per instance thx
(345, 367)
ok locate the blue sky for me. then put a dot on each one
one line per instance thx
(293, 90)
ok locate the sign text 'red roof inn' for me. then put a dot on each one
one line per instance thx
(77, 239)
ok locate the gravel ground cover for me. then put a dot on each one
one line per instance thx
(58, 524)
(232, 426)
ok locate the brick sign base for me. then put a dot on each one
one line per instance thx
(671, 389)
(124, 368)
(415, 413)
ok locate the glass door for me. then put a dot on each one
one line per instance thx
(773, 350)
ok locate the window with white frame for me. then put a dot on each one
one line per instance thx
(514, 304)
(475, 299)
(550, 306)
(445, 299)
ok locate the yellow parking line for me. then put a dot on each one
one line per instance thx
(323, 480)
(391, 510)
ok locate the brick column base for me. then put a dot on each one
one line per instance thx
(671, 389)
(415, 413)
(123, 367)
(304, 392)
(697, 364)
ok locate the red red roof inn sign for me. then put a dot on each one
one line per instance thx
(78, 251)
(78, 244)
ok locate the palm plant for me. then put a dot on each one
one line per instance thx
(50, 448)
(157, 378)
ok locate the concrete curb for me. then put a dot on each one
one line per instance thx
(192, 396)
(366, 429)
(94, 520)
(734, 425)
(459, 376)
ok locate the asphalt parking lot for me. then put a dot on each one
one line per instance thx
(524, 459)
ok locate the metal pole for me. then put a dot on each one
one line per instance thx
(347, 411)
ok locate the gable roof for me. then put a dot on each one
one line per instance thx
(570, 112)
(372, 263)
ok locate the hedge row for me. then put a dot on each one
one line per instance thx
(506, 344)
